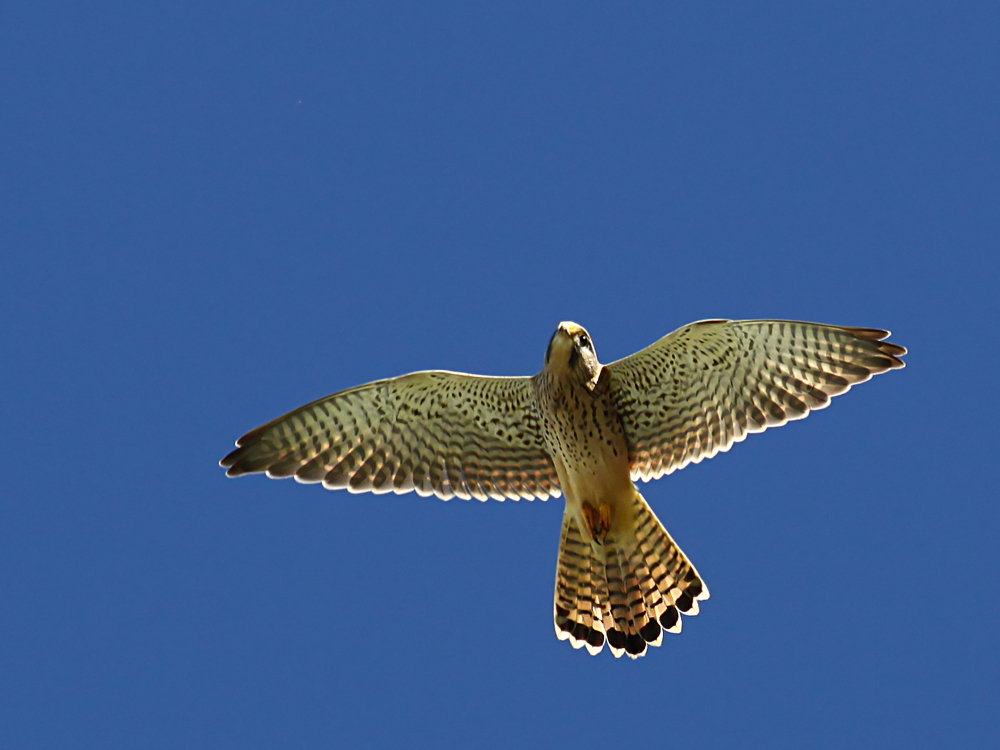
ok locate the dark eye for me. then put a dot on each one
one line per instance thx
(584, 341)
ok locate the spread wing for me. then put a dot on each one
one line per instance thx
(705, 386)
(441, 433)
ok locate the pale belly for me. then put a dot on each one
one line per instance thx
(587, 443)
(600, 483)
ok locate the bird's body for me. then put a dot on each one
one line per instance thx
(606, 585)
(587, 431)
(584, 435)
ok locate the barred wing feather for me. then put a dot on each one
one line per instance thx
(442, 433)
(707, 385)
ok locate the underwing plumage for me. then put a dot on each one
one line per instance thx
(584, 430)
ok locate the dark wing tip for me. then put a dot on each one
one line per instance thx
(236, 465)
(229, 460)
(892, 352)
(869, 334)
(256, 433)
(249, 458)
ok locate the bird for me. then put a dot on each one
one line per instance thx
(583, 430)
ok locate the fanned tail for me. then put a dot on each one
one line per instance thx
(626, 591)
(577, 605)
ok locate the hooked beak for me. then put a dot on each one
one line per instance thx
(569, 328)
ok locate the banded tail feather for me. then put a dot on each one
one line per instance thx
(626, 592)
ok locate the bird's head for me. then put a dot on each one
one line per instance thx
(572, 353)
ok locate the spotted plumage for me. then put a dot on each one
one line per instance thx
(583, 430)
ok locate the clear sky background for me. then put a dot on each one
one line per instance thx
(211, 213)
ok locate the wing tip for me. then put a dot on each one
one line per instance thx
(230, 461)
(245, 460)
(879, 336)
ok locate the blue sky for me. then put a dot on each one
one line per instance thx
(213, 213)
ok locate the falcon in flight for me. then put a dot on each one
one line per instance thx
(584, 430)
